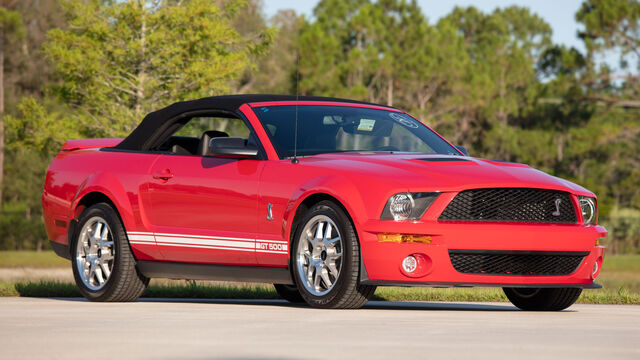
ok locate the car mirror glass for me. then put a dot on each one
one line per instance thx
(231, 147)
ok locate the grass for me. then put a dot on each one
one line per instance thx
(243, 291)
(620, 278)
(34, 259)
(189, 290)
(628, 263)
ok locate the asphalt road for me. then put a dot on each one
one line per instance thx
(205, 329)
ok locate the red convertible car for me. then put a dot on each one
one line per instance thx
(325, 198)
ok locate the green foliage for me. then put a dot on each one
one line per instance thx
(275, 71)
(27, 72)
(11, 26)
(193, 290)
(119, 61)
(113, 62)
(35, 128)
(624, 227)
(612, 27)
(46, 289)
(8, 289)
(21, 228)
(611, 23)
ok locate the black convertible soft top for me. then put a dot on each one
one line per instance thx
(153, 122)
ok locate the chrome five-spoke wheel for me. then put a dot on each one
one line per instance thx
(326, 259)
(95, 253)
(319, 255)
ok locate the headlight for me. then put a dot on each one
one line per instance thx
(589, 210)
(407, 206)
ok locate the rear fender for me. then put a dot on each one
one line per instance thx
(108, 185)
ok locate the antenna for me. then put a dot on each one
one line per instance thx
(295, 135)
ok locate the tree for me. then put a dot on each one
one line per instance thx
(11, 30)
(612, 26)
(105, 80)
(27, 72)
(503, 48)
(117, 61)
(275, 72)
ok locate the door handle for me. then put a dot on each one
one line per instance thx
(165, 175)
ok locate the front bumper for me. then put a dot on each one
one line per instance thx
(382, 260)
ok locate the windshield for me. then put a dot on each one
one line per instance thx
(330, 129)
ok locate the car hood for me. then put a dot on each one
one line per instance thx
(418, 172)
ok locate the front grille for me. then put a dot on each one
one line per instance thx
(511, 204)
(532, 263)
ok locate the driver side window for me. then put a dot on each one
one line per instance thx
(194, 136)
(230, 126)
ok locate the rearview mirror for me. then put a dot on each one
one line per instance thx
(231, 147)
(463, 150)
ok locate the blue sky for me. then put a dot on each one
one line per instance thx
(558, 13)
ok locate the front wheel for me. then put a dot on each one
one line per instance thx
(542, 299)
(103, 266)
(326, 259)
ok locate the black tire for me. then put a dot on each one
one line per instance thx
(289, 293)
(346, 292)
(125, 283)
(542, 299)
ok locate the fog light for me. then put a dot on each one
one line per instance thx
(597, 266)
(409, 264)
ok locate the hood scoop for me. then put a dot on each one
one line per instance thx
(444, 159)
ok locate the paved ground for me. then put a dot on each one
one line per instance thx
(179, 329)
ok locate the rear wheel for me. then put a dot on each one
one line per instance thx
(103, 266)
(542, 299)
(289, 293)
(326, 259)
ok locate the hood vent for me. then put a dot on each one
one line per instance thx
(443, 159)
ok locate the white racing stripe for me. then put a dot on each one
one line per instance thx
(196, 241)
(206, 247)
(142, 238)
(208, 242)
(203, 237)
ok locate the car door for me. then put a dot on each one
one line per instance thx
(203, 208)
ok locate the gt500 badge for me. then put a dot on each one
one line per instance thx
(272, 247)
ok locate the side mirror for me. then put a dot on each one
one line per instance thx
(231, 147)
(462, 149)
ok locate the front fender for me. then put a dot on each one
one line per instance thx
(338, 187)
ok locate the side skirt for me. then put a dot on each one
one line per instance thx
(175, 270)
